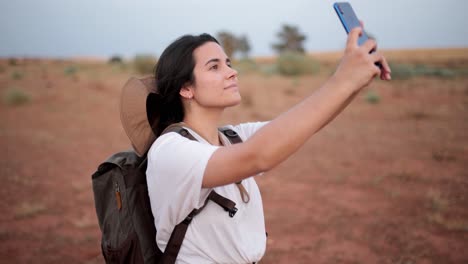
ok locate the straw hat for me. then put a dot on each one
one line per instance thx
(137, 93)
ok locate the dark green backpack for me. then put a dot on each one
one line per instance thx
(124, 212)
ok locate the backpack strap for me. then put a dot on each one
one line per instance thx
(177, 237)
(234, 138)
(178, 234)
(232, 135)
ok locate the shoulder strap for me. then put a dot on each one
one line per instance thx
(234, 138)
(178, 234)
(232, 135)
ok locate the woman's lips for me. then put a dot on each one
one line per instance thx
(234, 85)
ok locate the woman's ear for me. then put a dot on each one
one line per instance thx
(186, 92)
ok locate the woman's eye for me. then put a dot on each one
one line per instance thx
(214, 67)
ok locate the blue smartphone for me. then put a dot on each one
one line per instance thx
(348, 18)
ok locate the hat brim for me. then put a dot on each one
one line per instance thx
(133, 114)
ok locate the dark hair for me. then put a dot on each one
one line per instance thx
(173, 70)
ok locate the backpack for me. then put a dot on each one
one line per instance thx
(124, 212)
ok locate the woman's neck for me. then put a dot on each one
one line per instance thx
(205, 123)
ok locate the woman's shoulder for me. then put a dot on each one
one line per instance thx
(246, 130)
(166, 142)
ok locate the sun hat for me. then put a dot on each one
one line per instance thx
(137, 94)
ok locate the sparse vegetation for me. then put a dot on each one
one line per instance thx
(290, 40)
(372, 97)
(294, 64)
(116, 59)
(70, 70)
(268, 69)
(15, 96)
(12, 61)
(384, 182)
(17, 75)
(245, 65)
(442, 155)
(144, 63)
(407, 71)
(233, 44)
(28, 209)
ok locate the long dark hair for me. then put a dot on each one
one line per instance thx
(173, 70)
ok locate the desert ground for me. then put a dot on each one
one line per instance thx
(385, 182)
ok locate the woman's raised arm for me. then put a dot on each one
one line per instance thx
(284, 135)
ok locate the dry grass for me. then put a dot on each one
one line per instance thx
(29, 209)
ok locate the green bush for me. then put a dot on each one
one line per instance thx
(406, 71)
(268, 69)
(294, 64)
(70, 70)
(372, 97)
(116, 59)
(245, 65)
(16, 75)
(16, 96)
(462, 72)
(12, 61)
(402, 71)
(144, 64)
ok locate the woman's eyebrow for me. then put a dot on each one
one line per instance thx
(217, 60)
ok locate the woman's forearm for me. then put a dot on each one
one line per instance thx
(288, 132)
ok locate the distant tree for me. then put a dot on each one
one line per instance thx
(243, 46)
(290, 39)
(233, 44)
(228, 41)
(115, 59)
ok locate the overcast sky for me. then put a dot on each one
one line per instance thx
(58, 28)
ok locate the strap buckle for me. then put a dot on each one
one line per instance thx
(232, 211)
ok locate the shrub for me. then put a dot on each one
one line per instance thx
(16, 75)
(294, 63)
(12, 61)
(405, 71)
(16, 96)
(402, 71)
(372, 97)
(245, 66)
(116, 59)
(144, 64)
(443, 73)
(70, 70)
(268, 69)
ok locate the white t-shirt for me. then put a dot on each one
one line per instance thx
(176, 166)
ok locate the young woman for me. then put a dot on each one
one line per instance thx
(195, 83)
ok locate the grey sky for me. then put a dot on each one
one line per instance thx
(57, 28)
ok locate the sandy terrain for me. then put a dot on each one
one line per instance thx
(383, 183)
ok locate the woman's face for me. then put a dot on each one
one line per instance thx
(215, 81)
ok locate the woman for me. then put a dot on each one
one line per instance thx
(195, 83)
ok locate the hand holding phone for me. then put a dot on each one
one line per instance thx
(348, 18)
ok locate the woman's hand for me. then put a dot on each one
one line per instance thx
(357, 67)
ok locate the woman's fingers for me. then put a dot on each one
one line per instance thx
(385, 73)
(384, 70)
(370, 45)
(353, 37)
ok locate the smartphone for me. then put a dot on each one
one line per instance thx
(348, 18)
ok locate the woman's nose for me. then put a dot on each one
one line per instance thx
(231, 73)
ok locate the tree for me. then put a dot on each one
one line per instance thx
(243, 45)
(228, 41)
(290, 39)
(232, 44)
